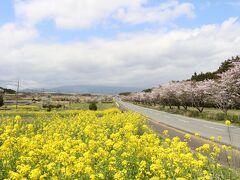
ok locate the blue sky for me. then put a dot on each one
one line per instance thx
(115, 42)
(6, 11)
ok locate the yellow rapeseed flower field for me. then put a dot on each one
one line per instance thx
(105, 144)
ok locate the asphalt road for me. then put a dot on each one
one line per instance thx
(192, 125)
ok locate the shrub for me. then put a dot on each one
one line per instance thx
(93, 106)
(234, 118)
(220, 116)
(57, 106)
(192, 113)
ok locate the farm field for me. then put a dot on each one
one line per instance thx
(29, 110)
(85, 106)
(107, 144)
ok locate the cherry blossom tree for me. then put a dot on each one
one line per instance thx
(169, 96)
(201, 93)
(156, 95)
(227, 89)
(183, 93)
(223, 93)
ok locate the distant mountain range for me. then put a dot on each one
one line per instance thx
(86, 89)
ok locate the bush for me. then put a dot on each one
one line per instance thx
(93, 106)
(220, 116)
(57, 106)
(1, 100)
(234, 118)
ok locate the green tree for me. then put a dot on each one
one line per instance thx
(226, 65)
(93, 106)
(1, 100)
(147, 90)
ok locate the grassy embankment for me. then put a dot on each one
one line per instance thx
(211, 114)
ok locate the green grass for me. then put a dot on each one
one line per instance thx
(85, 106)
(32, 111)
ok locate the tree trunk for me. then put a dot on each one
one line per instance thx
(225, 110)
(200, 109)
(185, 108)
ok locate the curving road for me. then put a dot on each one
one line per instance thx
(204, 128)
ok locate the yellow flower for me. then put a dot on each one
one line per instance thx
(197, 134)
(100, 176)
(14, 175)
(165, 132)
(219, 138)
(18, 118)
(167, 140)
(124, 163)
(118, 176)
(76, 144)
(30, 127)
(187, 137)
(228, 122)
(51, 166)
(212, 138)
(23, 169)
(204, 148)
(35, 174)
(155, 178)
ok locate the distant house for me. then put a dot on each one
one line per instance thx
(1, 91)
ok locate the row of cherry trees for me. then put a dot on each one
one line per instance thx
(223, 93)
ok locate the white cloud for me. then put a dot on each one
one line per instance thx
(11, 35)
(142, 59)
(159, 14)
(233, 3)
(72, 14)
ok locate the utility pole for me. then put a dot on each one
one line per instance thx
(17, 94)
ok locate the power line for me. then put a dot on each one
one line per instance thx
(8, 83)
(17, 94)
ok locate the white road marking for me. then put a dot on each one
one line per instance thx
(210, 127)
(183, 120)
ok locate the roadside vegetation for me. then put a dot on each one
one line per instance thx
(210, 114)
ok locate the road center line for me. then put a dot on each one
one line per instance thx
(183, 120)
(210, 127)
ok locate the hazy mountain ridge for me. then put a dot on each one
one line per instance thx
(86, 89)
